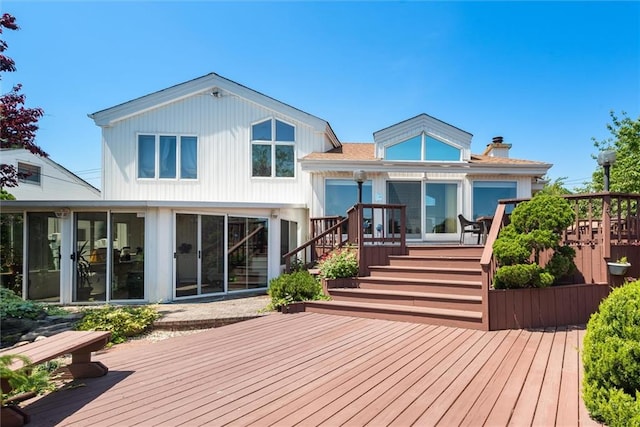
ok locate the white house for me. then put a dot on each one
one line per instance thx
(208, 183)
(45, 179)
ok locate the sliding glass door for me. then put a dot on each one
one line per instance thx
(43, 256)
(432, 207)
(199, 254)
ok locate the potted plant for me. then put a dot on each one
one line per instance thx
(619, 268)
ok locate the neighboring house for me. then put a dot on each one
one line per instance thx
(45, 179)
(208, 183)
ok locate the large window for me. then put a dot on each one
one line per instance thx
(487, 193)
(341, 194)
(167, 157)
(29, 174)
(273, 149)
(441, 207)
(422, 147)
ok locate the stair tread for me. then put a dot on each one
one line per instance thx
(434, 295)
(420, 268)
(468, 314)
(413, 280)
(438, 257)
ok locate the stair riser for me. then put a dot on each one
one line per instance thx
(399, 273)
(475, 251)
(400, 301)
(397, 316)
(422, 287)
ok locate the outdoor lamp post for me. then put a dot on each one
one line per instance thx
(606, 159)
(359, 176)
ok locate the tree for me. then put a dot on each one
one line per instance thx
(18, 123)
(557, 187)
(625, 141)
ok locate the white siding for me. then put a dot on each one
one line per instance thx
(56, 183)
(223, 127)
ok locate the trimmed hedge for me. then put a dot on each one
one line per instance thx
(292, 287)
(611, 359)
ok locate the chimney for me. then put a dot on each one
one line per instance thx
(497, 148)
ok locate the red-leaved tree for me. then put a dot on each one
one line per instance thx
(18, 125)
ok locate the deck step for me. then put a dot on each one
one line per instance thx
(460, 287)
(430, 315)
(417, 299)
(434, 261)
(426, 273)
(445, 250)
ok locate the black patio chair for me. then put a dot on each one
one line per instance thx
(470, 227)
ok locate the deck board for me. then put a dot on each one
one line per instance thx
(320, 369)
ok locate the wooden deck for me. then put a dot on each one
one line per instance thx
(318, 369)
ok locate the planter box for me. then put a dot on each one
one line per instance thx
(618, 269)
(545, 307)
(343, 282)
(294, 307)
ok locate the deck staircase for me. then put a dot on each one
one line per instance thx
(436, 284)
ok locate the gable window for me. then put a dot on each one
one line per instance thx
(273, 149)
(29, 174)
(422, 147)
(167, 157)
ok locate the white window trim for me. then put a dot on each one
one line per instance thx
(26, 180)
(273, 144)
(423, 149)
(156, 153)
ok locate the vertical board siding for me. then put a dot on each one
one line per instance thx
(223, 128)
(549, 307)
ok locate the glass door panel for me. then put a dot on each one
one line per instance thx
(90, 258)
(213, 254)
(186, 255)
(127, 261)
(407, 193)
(441, 208)
(43, 258)
(11, 252)
(247, 253)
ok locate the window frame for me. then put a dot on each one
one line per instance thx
(273, 145)
(423, 148)
(178, 167)
(33, 170)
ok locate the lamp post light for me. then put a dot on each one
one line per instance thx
(359, 176)
(606, 159)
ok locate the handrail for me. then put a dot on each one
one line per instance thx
(313, 241)
(247, 237)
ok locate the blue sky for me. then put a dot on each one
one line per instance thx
(544, 75)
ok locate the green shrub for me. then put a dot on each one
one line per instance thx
(11, 305)
(611, 359)
(292, 287)
(37, 379)
(122, 322)
(517, 276)
(536, 226)
(341, 262)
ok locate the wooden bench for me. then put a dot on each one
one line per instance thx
(79, 344)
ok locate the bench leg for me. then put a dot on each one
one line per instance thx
(83, 370)
(13, 416)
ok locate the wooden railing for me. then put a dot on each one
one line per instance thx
(366, 226)
(329, 238)
(377, 224)
(602, 221)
